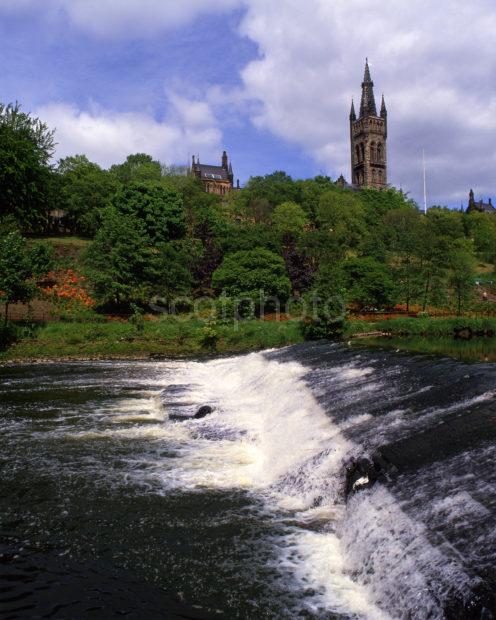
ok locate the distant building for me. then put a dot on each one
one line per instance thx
(482, 207)
(215, 179)
(368, 135)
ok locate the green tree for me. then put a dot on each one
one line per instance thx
(122, 266)
(446, 223)
(41, 258)
(256, 274)
(402, 230)
(276, 188)
(462, 272)
(481, 228)
(341, 213)
(26, 146)
(377, 203)
(310, 191)
(86, 190)
(160, 209)
(138, 168)
(16, 272)
(368, 283)
(289, 219)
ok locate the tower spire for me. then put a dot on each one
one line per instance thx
(366, 75)
(383, 108)
(352, 111)
(367, 105)
(368, 136)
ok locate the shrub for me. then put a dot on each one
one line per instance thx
(257, 276)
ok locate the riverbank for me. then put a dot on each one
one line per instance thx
(181, 337)
(168, 337)
(467, 339)
(430, 327)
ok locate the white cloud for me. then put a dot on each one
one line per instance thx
(124, 18)
(107, 137)
(139, 17)
(434, 61)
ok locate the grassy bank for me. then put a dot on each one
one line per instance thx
(425, 326)
(167, 336)
(474, 350)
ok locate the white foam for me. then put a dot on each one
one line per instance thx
(269, 436)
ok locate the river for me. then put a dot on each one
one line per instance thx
(262, 509)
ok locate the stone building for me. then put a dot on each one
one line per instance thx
(368, 135)
(215, 179)
(483, 207)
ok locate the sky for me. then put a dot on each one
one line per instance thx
(269, 81)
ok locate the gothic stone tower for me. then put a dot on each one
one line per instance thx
(368, 136)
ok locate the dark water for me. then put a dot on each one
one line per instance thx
(109, 509)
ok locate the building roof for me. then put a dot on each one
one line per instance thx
(483, 207)
(216, 173)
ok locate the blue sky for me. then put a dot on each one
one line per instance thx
(50, 60)
(270, 82)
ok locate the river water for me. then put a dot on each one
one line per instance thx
(108, 508)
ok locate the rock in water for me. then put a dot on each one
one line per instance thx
(203, 411)
(365, 472)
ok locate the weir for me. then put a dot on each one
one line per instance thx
(323, 481)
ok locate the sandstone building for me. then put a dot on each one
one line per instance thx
(368, 135)
(215, 179)
(483, 207)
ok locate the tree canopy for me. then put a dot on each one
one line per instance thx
(26, 146)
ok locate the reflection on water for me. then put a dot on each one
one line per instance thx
(473, 350)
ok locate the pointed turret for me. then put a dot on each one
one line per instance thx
(224, 160)
(471, 202)
(352, 112)
(366, 75)
(367, 105)
(383, 108)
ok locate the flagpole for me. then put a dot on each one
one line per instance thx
(425, 184)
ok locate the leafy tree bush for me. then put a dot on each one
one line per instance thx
(17, 271)
(462, 272)
(342, 214)
(159, 209)
(125, 270)
(368, 283)
(259, 275)
(289, 219)
(86, 190)
(481, 227)
(138, 168)
(41, 258)
(26, 146)
(275, 188)
(122, 266)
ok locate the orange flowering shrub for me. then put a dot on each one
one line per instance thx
(68, 289)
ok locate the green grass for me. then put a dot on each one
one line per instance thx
(425, 326)
(75, 241)
(474, 350)
(167, 336)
